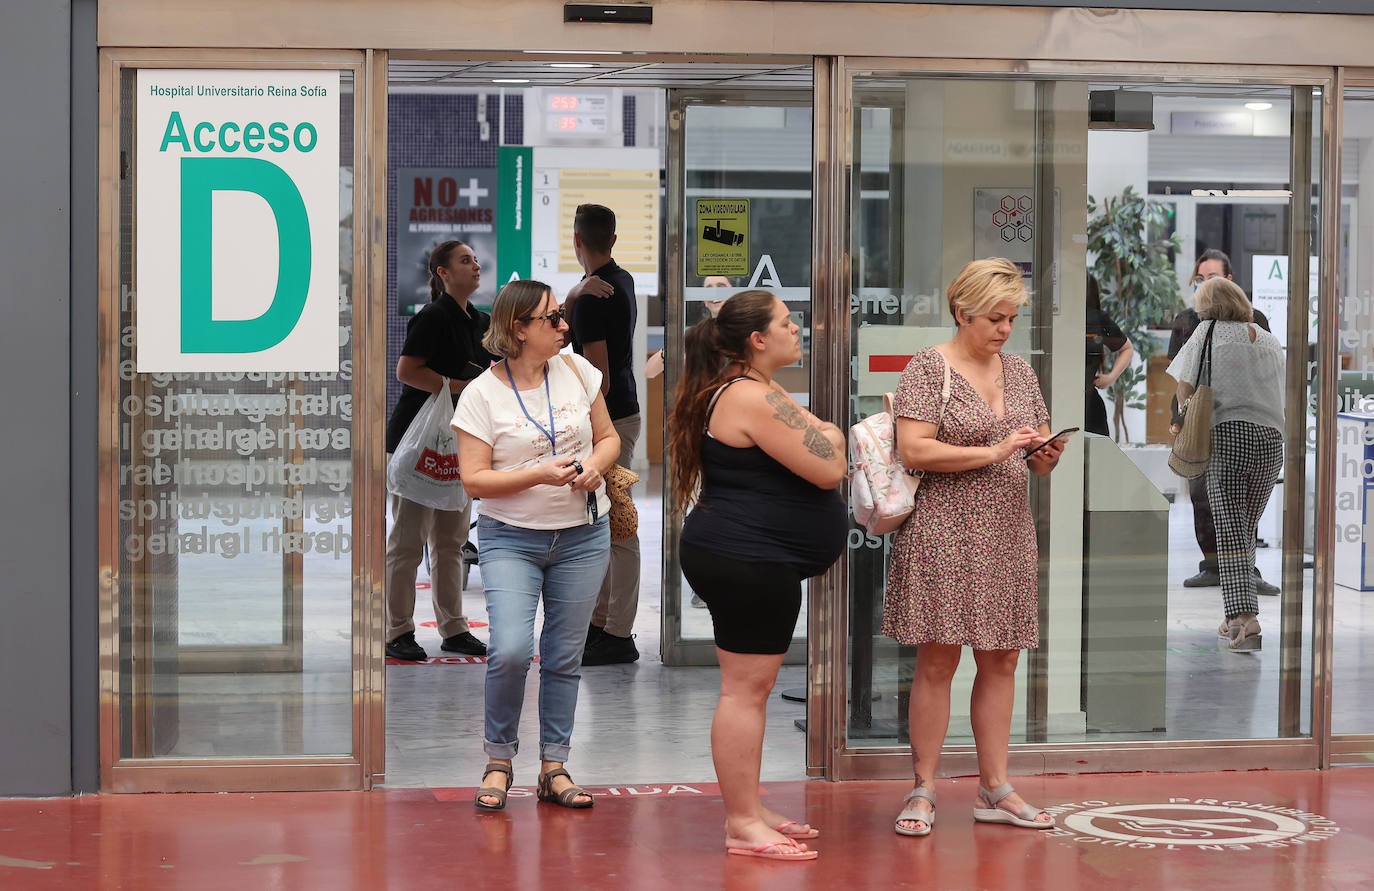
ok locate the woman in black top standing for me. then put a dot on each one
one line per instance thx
(1102, 335)
(443, 340)
(768, 515)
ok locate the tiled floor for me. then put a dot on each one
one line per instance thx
(1250, 831)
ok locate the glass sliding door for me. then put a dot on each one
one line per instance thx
(741, 220)
(235, 566)
(1352, 712)
(949, 169)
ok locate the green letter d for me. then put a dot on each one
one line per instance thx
(200, 179)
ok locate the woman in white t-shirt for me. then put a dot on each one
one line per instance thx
(534, 438)
(1247, 439)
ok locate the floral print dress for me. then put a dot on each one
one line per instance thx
(964, 566)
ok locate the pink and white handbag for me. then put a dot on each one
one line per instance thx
(882, 493)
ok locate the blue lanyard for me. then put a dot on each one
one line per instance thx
(549, 432)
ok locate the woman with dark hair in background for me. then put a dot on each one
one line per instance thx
(1103, 335)
(443, 340)
(768, 515)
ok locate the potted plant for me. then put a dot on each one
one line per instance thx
(1133, 264)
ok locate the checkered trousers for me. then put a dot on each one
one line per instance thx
(1246, 461)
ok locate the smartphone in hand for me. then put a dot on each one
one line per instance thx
(1061, 436)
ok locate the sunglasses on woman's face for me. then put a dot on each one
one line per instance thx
(554, 318)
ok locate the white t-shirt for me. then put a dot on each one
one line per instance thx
(1247, 378)
(489, 410)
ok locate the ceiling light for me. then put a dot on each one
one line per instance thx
(571, 65)
(573, 52)
(1242, 193)
(510, 80)
(1259, 106)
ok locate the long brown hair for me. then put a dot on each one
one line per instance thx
(714, 347)
(442, 253)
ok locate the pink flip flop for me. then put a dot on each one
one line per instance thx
(787, 850)
(809, 833)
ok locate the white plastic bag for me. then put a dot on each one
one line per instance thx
(424, 467)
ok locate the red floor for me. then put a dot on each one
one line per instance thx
(1253, 830)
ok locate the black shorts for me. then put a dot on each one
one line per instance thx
(754, 606)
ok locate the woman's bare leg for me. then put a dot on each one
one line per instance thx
(928, 714)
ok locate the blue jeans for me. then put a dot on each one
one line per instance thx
(517, 565)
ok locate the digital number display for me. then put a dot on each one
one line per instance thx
(577, 103)
(570, 124)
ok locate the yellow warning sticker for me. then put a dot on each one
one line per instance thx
(722, 236)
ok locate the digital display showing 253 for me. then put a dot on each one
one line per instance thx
(580, 104)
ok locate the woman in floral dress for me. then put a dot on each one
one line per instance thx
(964, 568)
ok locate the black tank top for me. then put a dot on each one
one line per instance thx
(752, 507)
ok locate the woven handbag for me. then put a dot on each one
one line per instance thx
(624, 514)
(1193, 445)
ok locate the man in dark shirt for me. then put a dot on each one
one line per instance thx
(1212, 263)
(602, 316)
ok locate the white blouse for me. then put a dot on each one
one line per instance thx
(1247, 377)
(489, 409)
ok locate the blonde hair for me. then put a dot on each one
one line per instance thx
(514, 304)
(1223, 300)
(982, 284)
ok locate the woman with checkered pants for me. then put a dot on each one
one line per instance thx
(1247, 440)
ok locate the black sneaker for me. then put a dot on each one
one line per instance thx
(610, 650)
(465, 644)
(594, 635)
(1263, 587)
(405, 647)
(1204, 579)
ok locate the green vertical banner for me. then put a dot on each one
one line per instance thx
(514, 245)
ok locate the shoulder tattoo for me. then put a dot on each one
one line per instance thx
(785, 410)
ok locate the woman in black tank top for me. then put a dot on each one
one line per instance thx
(761, 475)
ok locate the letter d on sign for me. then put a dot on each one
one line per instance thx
(200, 179)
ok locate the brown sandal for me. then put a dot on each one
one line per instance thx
(566, 798)
(492, 791)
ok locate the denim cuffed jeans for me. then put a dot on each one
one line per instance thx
(566, 566)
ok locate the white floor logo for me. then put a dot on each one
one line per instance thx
(1199, 824)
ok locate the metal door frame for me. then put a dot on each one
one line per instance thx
(674, 648)
(365, 761)
(832, 162)
(831, 756)
(1342, 748)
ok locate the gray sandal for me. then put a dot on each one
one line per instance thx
(491, 791)
(566, 798)
(1025, 817)
(911, 814)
